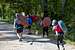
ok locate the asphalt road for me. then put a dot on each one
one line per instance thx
(9, 41)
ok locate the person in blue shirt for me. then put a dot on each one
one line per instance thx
(29, 21)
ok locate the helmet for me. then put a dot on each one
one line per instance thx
(23, 13)
(54, 22)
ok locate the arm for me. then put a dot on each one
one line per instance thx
(56, 33)
(14, 23)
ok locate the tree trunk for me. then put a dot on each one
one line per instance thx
(63, 6)
(44, 5)
(45, 8)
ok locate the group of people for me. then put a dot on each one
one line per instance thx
(58, 26)
(22, 21)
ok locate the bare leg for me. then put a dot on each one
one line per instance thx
(58, 45)
(58, 42)
(21, 34)
(62, 42)
(18, 34)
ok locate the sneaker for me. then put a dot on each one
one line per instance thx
(63, 48)
(31, 43)
(58, 48)
(20, 39)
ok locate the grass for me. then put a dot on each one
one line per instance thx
(69, 42)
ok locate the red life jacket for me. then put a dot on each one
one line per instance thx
(58, 29)
(24, 23)
(34, 18)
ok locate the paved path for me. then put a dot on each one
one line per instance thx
(9, 41)
(6, 27)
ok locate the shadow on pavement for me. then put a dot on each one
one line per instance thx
(8, 36)
(29, 38)
(39, 39)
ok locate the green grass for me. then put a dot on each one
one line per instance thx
(69, 42)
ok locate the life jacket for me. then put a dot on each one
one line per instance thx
(46, 22)
(24, 23)
(57, 28)
(34, 18)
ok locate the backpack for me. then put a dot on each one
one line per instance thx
(29, 20)
(62, 26)
(46, 22)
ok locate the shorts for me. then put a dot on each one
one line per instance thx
(60, 37)
(19, 28)
(19, 31)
